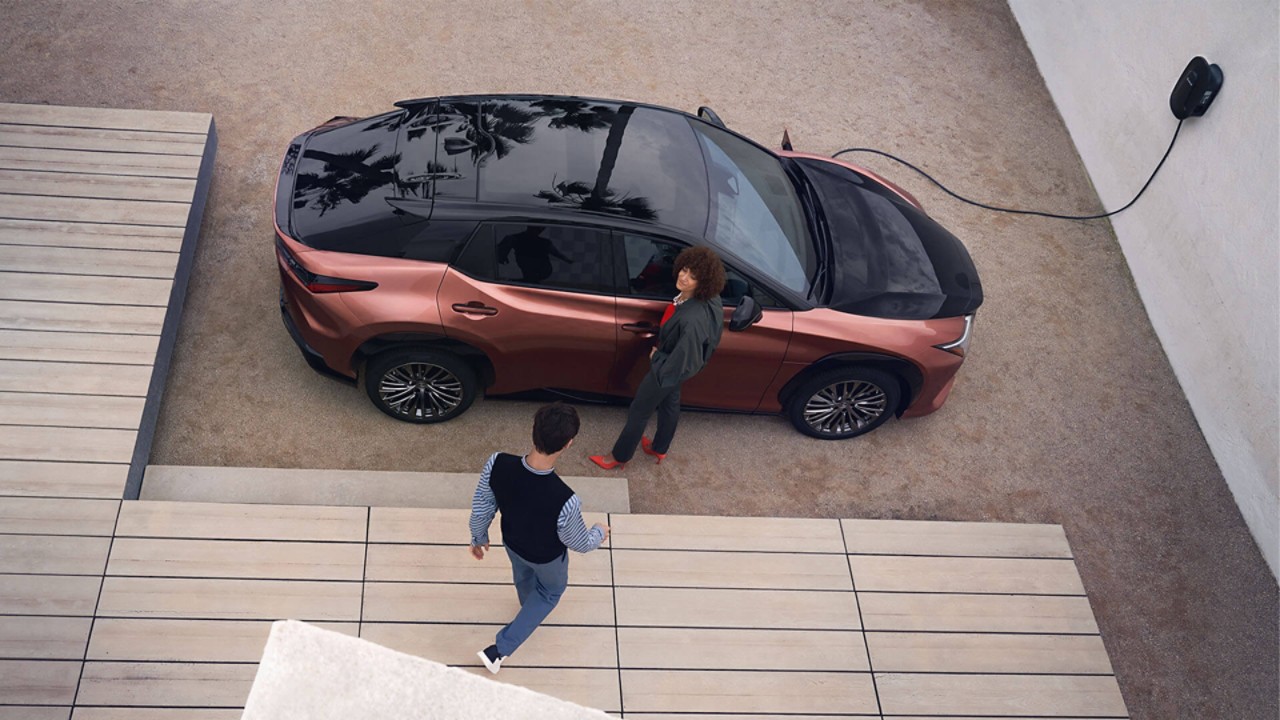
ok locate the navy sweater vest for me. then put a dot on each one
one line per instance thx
(530, 504)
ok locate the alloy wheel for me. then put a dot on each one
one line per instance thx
(420, 390)
(844, 407)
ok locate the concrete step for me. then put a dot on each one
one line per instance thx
(290, 486)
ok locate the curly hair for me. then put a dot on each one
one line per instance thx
(707, 269)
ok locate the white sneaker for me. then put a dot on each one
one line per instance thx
(491, 659)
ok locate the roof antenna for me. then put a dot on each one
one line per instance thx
(786, 140)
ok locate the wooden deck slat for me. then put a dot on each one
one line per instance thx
(681, 532)
(453, 563)
(50, 287)
(44, 233)
(777, 609)
(67, 444)
(478, 604)
(34, 182)
(438, 526)
(57, 516)
(74, 378)
(589, 687)
(165, 684)
(77, 318)
(53, 554)
(49, 595)
(446, 526)
(148, 640)
(70, 138)
(247, 559)
(109, 118)
(28, 712)
(966, 575)
(38, 682)
(733, 691)
(150, 518)
(47, 638)
(977, 613)
(125, 212)
(90, 262)
(139, 713)
(988, 653)
(660, 568)
(931, 537)
(92, 480)
(696, 649)
(557, 646)
(78, 347)
(313, 601)
(95, 411)
(84, 161)
(1010, 695)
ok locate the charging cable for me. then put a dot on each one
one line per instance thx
(1024, 212)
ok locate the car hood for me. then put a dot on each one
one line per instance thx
(888, 258)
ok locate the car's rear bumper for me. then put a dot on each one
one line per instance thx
(313, 358)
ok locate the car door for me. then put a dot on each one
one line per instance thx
(538, 300)
(743, 365)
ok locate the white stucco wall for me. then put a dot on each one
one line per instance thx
(1201, 243)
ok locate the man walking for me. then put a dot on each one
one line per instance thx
(541, 521)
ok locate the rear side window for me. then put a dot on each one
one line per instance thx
(400, 237)
(556, 257)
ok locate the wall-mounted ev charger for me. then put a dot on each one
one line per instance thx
(1196, 88)
(1194, 92)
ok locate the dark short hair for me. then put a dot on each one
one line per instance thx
(554, 426)
(707, 269)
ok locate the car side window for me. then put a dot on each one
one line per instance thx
(558, 257)
(649, 266)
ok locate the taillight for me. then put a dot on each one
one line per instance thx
(319, 283)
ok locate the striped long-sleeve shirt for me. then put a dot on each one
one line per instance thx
(570, 526)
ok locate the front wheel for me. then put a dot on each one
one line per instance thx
(420, 386)
(844, 403)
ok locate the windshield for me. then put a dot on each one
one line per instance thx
(755, 212)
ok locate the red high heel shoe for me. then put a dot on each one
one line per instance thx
(599, 460)
(647, 446)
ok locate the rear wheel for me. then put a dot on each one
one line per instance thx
(420, 386)
(844, 403)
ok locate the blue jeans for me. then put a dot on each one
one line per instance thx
(539, 587)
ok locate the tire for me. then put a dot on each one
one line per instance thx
(420, 386)
(844, 403)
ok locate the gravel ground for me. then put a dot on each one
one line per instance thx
(1066, 412)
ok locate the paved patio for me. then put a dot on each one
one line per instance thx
(686, 615)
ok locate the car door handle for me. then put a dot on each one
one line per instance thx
(643, 329)
(475, 307)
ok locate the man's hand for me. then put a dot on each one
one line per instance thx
(604, 529)
(477, 551)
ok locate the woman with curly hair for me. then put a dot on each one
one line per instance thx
(689, 333)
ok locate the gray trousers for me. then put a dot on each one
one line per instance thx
(649, 397)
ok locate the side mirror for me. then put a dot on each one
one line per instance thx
(706, 113)
(747, 313)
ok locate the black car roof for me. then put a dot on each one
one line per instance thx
(568, 153)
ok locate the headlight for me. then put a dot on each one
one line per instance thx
(960, 346)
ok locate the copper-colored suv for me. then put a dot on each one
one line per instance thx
(510, 243)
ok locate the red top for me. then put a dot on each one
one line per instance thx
(671, 310)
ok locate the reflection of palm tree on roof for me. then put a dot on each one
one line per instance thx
(598, 197)
(581, 196)
(493, 129)
(347, 177)
(578, 114)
